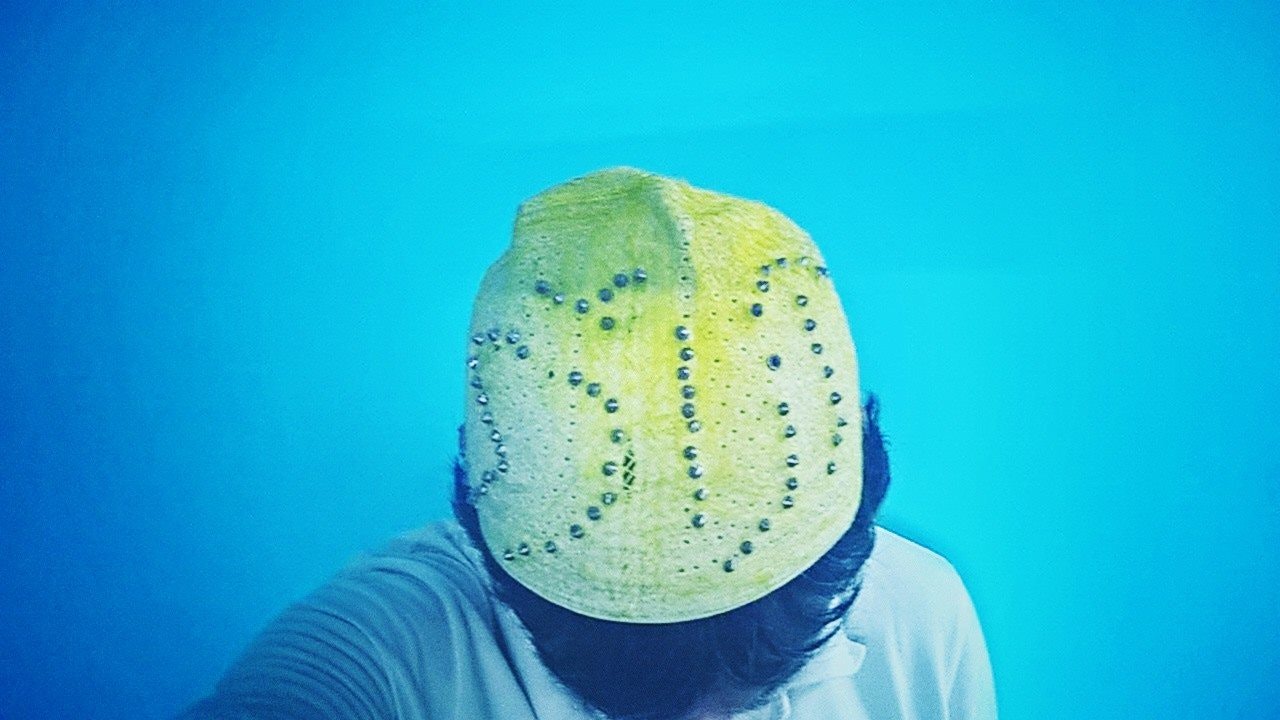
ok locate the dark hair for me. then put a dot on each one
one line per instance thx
(632, 671)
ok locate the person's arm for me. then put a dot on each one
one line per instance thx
(926, 657)
(402, 635)
(318, 659)
(972, 695)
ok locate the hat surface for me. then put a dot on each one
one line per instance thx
(662, 419)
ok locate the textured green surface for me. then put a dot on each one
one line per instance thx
(658, 552)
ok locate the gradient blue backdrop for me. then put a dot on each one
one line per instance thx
(238, 247)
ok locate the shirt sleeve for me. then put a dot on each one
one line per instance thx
(926, 658)
(314, 660)
(390, 638)
(972, 694)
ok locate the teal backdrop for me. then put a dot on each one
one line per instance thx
(238, 246)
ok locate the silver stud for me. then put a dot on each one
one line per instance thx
(478, 338)
(476, 382)
(488, 476)
(611, 405)
(508, 555)
(593, 513)
(523, 549)
(690, 452)
(503, 466)
(686, 353)
(513, 337)
(789, 431)
(682, 373)
(605, 294)
(728, 565)
(639, 275)
(542, 287)
(792, 483)
(687, 410)
(616, 435)
(810, 324)
(694, 426)
(699, 519)
(700, 494)
(608, 498)
(774, 362)
(764, 269)
(472, 362)
(582, 305)
(765, 525)
(816, 348)
(576, 531)
(575, 378)
(486, 418)
(835, 398)
(783, 408)
(804, 260)
(762, 285)
(500, 450)
(831, 468)
(558, 298)
(522, 352)
(788, 501)
(801, 300)
(482, 399)
(823, 271)
(621, 280)
(828, 371)
(841, 422)
(606, 323)
(483, 489)
(793, 460)
(494, 334)
(836, 439)
(782, 262)
(609, 468)
(593, 389)
(695, 471)
(687, 392)
(746, 547)
(550, 546)
(757, 309)
(682, 332)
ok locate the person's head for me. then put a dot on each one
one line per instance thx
(654, 459)
(728, 662)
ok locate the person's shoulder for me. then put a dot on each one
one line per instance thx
(925, 652)
(439, 549)
(903, 563)
(391, 633)
(915, 591)
(440, 544)
(431, 568)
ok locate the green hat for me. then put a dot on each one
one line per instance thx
(662, 410)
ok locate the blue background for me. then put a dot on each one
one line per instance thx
(238, 249)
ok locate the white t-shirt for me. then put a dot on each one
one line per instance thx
(413, 633)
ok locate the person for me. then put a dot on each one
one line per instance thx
(657, 514)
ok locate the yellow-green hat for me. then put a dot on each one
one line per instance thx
(662, 418)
